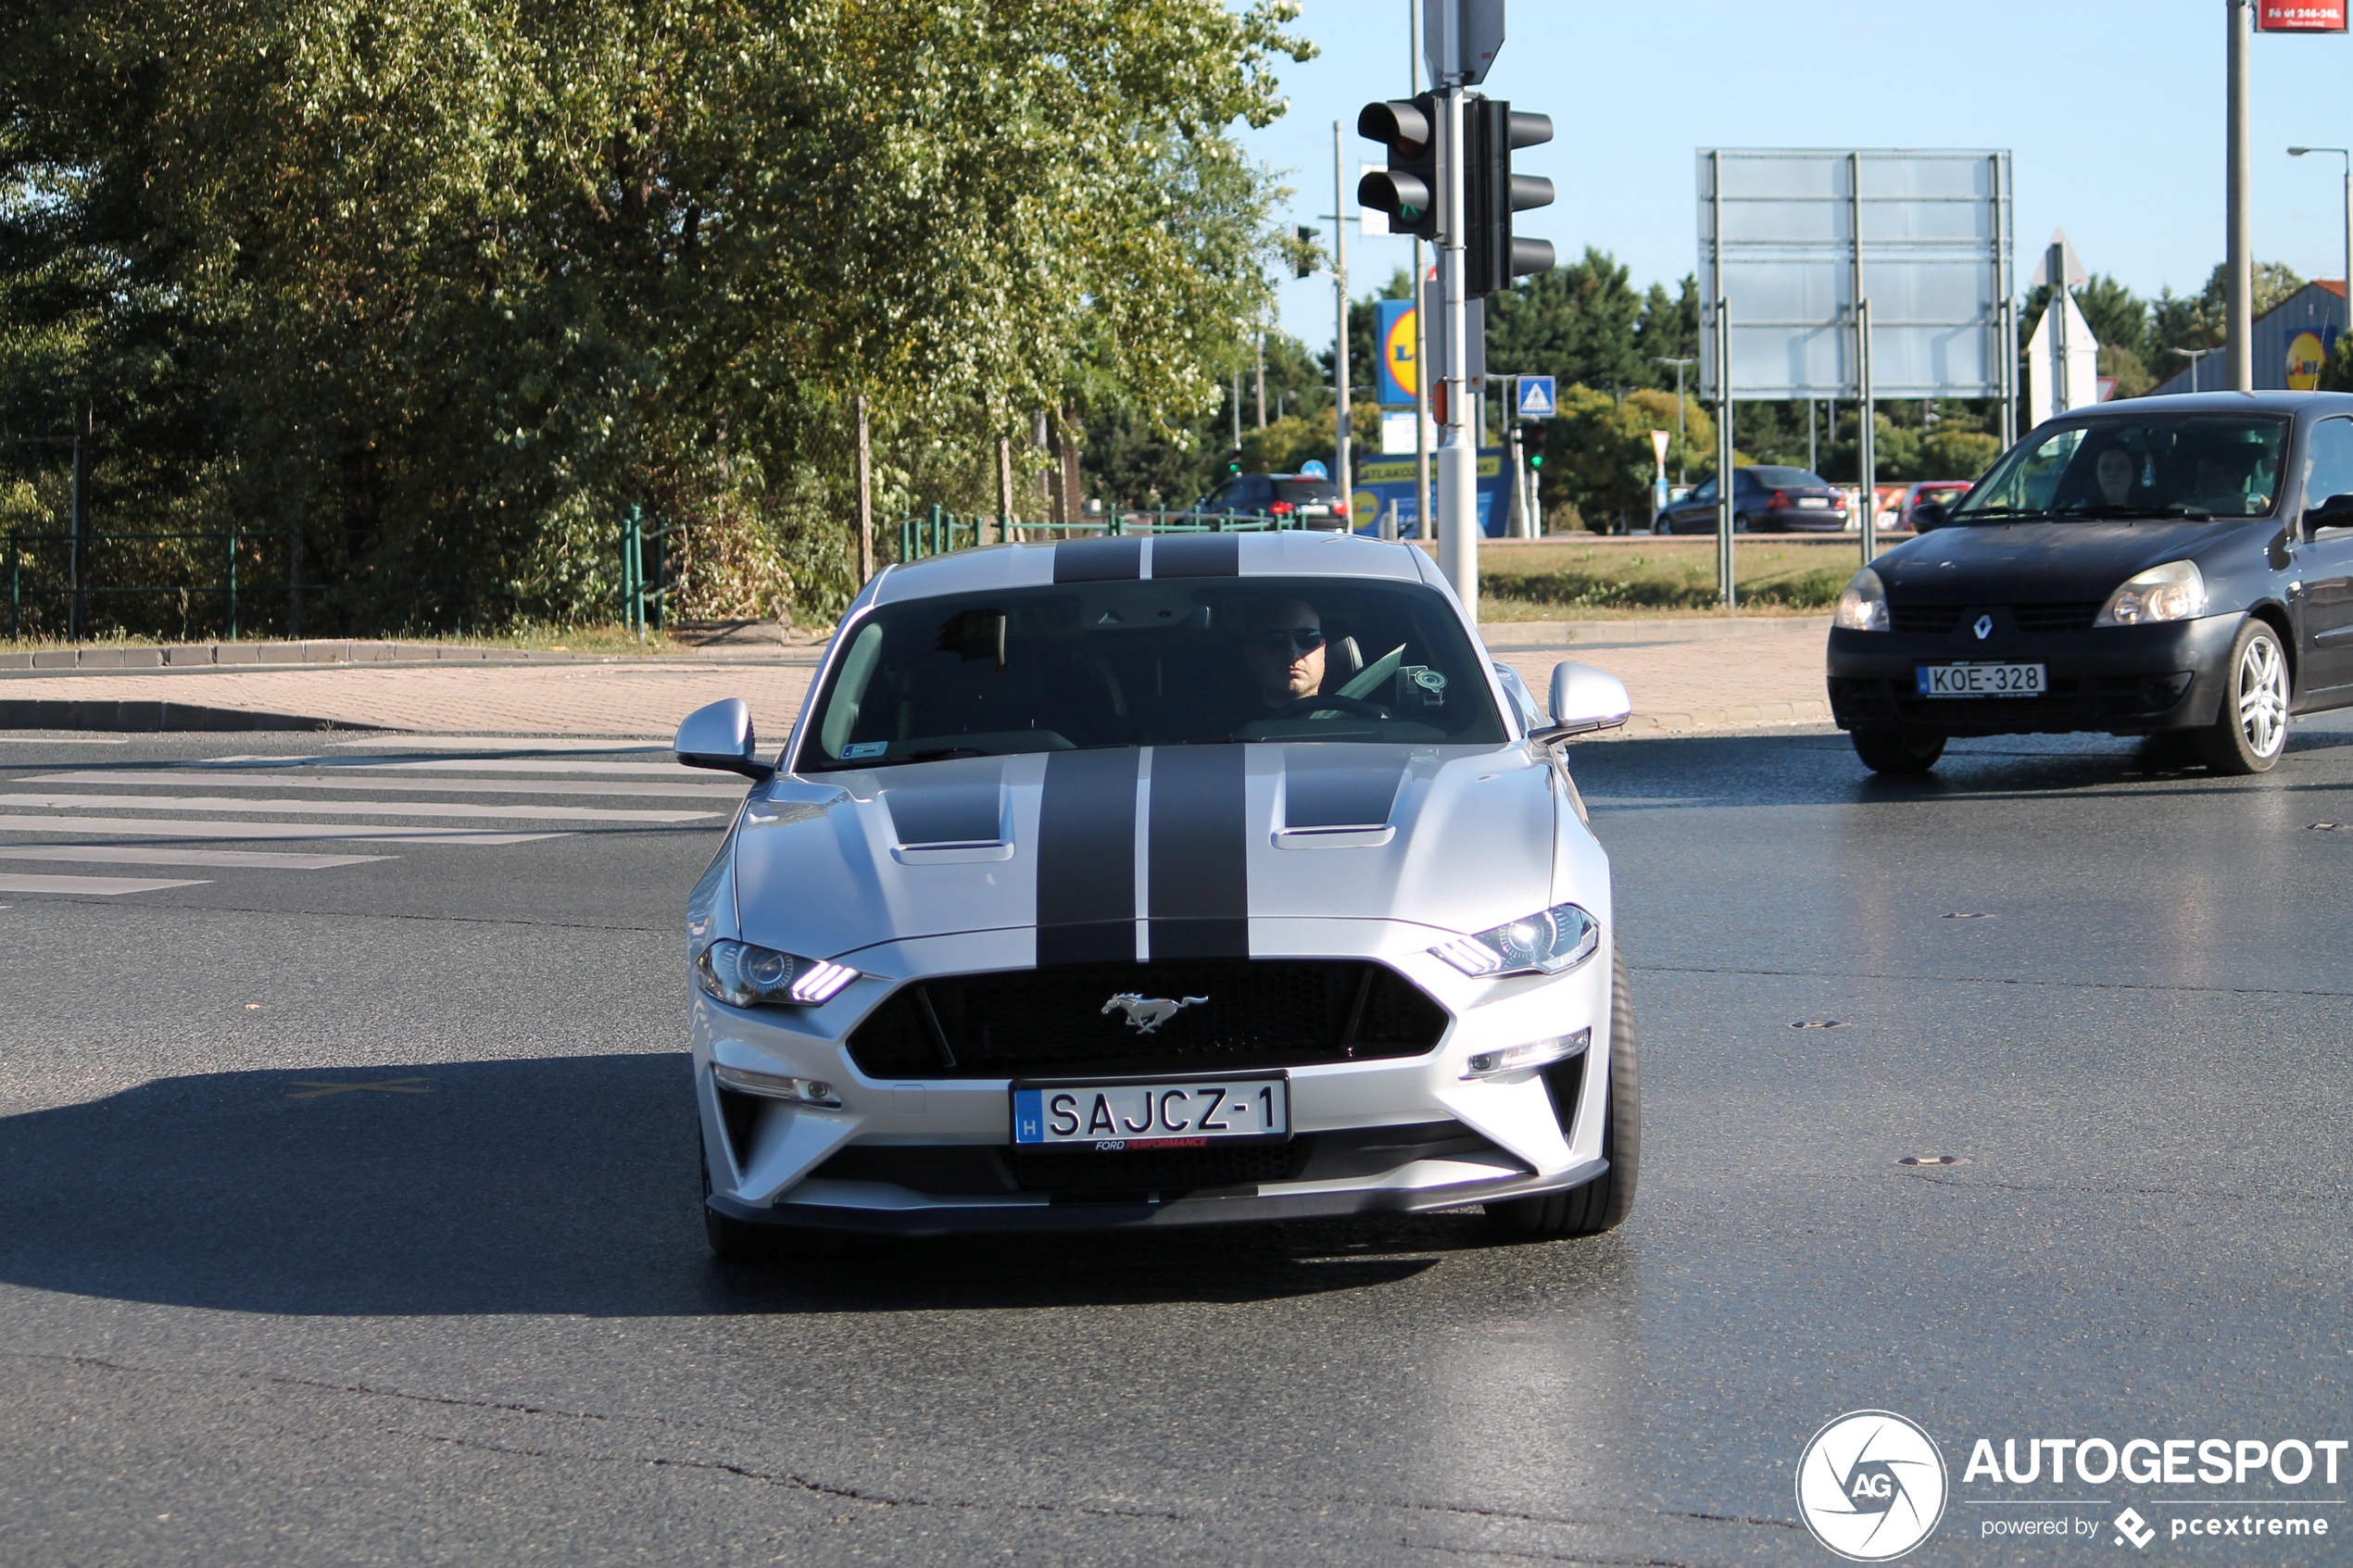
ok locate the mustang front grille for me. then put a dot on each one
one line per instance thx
(1231, 1015)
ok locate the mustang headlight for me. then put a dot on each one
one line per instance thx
(1863, 607)
(2175, 591)
(1560, 938)
(744, 976)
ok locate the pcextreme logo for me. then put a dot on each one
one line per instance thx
(1871, 1486)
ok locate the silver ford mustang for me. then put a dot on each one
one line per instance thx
(1160, 880)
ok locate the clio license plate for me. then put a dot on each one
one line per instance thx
(1982, 680)
(1166, 1113)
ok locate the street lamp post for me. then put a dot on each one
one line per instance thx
(2347, 156)
(1681, 478)
(2194, 355)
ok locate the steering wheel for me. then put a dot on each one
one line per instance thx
(1300, 707)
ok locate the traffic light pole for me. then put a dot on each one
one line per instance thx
(1343, 474)
(1457, 458)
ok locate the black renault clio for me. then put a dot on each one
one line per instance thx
(2166, 565)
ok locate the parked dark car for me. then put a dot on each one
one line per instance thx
(1311, 498)
(2165, 566)
(1766, 499)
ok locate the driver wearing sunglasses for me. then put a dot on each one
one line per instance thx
(1284, 644)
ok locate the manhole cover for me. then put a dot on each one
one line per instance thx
(1818, 1023)
(1959, 914)
(1934, 1160)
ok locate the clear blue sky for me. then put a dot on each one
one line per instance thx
(2112, 107)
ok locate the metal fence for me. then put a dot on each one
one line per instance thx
(53, 577)
(944, 530)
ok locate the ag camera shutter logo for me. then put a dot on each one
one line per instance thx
(1871, 1486)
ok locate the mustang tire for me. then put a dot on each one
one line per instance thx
(2250, 731)
(1603, 1202)
(1897, 751)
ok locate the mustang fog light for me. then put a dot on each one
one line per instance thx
(1547, 942)
(744, 976)
(775, 1085)
(1534, 1053)
(2175, 591)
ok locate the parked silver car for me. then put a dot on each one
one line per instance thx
(1160, 880)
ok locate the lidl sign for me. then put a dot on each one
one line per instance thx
(1399, 370)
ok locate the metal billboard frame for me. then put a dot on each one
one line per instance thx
(1794, 243)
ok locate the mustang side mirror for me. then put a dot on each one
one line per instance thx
(2334, 512)
(1584, 700)
(1930, 515)
(720, 736)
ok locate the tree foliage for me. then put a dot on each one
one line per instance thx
(449, 284)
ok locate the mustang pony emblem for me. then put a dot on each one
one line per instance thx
(1148, 1013)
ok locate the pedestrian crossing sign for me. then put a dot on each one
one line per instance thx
(1536, 401)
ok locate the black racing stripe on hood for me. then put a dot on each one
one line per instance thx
(1198, 857)
(1197, 554)
(1098, 561)
(1327, 789)
(1086, 857)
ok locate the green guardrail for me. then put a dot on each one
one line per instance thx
(645, 595)
(944, 530)
(78, 593)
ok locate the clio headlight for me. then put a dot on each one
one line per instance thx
(745, 975)
(1863, 607)
(2175, 591)
(1559, 938)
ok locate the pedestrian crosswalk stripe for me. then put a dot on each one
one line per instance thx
(226, 778)
(514, 745)
(166, 827)
(349, 807)
(372, 765)
(149, 855)
(12, 882)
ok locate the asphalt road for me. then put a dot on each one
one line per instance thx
(348, 1214)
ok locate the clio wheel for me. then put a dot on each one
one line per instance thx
(2250, 731)
(1898, 751)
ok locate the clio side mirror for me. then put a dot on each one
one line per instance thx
(1930, 515)
(720, 736)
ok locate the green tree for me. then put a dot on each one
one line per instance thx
(1598, 455)
(449, 284)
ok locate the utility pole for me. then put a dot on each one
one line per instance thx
(2347, 156)
(2239, 356)
(1343, 474)
(1682, 476)
(1424, 525)
(865, 499)
(1262, 378)
(1457, 458)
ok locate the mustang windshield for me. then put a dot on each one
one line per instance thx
(2164, 465)
(1170, 661)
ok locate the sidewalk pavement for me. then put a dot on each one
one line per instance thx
(1683, 675)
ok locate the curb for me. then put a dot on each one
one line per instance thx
(151, 717)
(1741, 716)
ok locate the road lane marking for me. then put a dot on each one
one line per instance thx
(240, 777)
(144, 855)
(225, 803)
(312, 1089)
(149, 827)
(104, 886)
(512, 746)
(445, 765)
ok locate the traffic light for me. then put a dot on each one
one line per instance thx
(1233, 461)
(1491, 193)
(1407, 189)
(1303, 256)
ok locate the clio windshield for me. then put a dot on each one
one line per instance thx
(2164, 465)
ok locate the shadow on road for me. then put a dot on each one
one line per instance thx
(549, 1186)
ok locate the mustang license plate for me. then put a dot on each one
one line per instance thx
(1172, 1113)
(1981, 680)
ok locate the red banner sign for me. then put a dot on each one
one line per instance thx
(2299, 16)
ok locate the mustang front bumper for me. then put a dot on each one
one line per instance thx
(2124, 680)
(934, 1155)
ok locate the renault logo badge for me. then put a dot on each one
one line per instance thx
(1985, 627)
